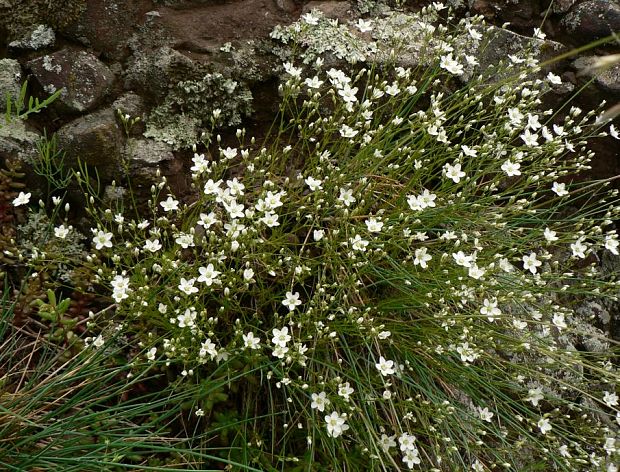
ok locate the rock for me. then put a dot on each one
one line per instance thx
(330, 9)
(96, 139)
(17, 140)
(606, 81)
(133, 105)
(40, 37)
(502, 43)
(152, 72)
(85, 79)
(287, 6)
(562, 6)
(149, 160)
(107, 25)
(10, 80)
(592, 20)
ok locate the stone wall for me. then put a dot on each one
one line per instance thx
(174, 62)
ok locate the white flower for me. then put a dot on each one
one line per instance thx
(313, 183)
(579, 248)
(212, 188)
(422, 257)
(611, 244)
(364, 26)
(102, 239)
(511, 168)
(554, 79)
(374, 225)
(270, 220)
(347, 131)
(200, 164)
(292, 70)
(485, 414)
(152, 245)
(291, 301)
(61, 231)
(531, 262)
(613, 132)
(468, 151)
(385, 367)
(530, 139)
(236, 187)
(151, 353)
(346, 196)
(534, 395)
(336, 424)
(199, 412)
(515, 116)
(248, 274)
(314, 82)
(610, 399)
(229, 153)
(467, 353)
(187, 286)
(187, 319)
(544, 425)
(184, 240)
(319, 401)
(407, 442)
(463, 260)
(22, 199)
(387, 442)
(170, 204)
(475, 272)
(550, 235)
(454, 172)
(280, 337)
(489, 308)
(310, 19)
(358, 244)
(207, 220)
(318, 234)
(250, 341)
(559, 189)
(610, 445)
(345, 390)
(98, 341)
(208, 275)
(451, 65)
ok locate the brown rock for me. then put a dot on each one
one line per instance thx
(95, 139)
(85, 79)
(330, 9)
(592, 20)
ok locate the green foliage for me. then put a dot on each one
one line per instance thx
(21, 109)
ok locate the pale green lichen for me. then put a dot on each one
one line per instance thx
(187, 111)
(41, 37)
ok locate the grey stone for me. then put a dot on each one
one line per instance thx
(96, 139)
(10, 80)
(133, 105)
(152, 72)
(592, 20)
(502, 42)
(16, 140)
(562, 6)
(606, 80)
(85, 79)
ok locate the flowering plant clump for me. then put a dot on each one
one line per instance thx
(389, 283)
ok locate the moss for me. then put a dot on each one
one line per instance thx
(17, 15)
